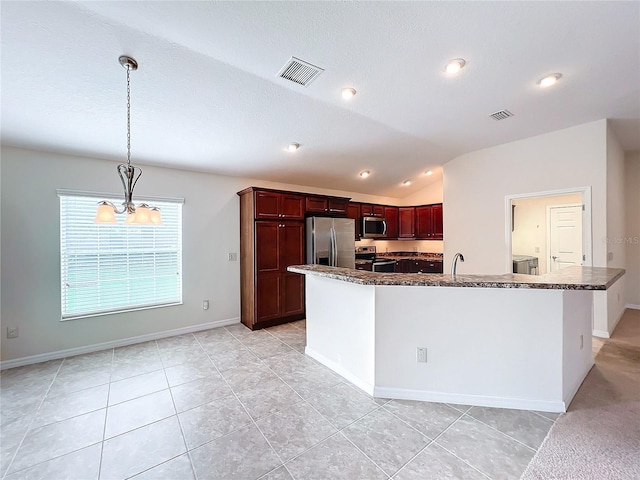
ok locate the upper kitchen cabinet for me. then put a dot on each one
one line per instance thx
(391, 217)
(353, 211)
(428, 222)
(323, 205)
(406, 222)
(271, 204)
(369, 210)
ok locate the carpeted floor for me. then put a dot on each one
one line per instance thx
(599, 436)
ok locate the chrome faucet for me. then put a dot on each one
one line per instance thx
(455, 262)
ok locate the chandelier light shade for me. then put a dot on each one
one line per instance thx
(143, 214)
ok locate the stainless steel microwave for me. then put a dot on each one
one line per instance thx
(374, 227)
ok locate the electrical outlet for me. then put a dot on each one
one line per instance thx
(12, 332)
(581, 341)
(537, 250)
(205, 304)
(610, 257)
(421, 355)
(233, 257)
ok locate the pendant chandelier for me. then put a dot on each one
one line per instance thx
(129, 175)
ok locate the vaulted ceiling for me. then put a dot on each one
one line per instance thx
(207, 96)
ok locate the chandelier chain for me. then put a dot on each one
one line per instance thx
(128, 116)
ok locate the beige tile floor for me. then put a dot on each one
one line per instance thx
(229, 403)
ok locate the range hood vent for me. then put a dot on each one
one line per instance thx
(300, 72)
(501, 115)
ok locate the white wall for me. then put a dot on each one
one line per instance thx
(476, 184)
(616, 251)
(30, 256)
(632, 230)
(530, 225)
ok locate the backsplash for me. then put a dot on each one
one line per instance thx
(386, 246)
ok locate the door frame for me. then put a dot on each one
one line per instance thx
(587, 233)
(548, 219)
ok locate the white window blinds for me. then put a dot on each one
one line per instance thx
(116, 267)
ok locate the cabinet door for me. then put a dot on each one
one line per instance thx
(436, 216)
(353, 211)
(292, 294)
(267, 204)
(424, 222)
(267, 250)
(406, 222)
(267, 296)
(290, 244)
(291, 206)
(378, 211)
(316, 205)
(391, 217)
(366, 210)
(337, 206)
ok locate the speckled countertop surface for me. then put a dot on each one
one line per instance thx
(570, 278)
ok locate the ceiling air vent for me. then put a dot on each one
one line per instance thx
(299, 71)
(501, 115)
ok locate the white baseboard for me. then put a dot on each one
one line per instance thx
(476, 400)
(632, 306)
(574, 388)
(601, 334)
(70, 352)
(358, 382)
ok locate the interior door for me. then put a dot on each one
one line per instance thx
(565, 236)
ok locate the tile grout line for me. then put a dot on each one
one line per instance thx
(309, 404)
(339, 431)
(245, 409)
(431, 441)
(435, 440)
(184, 439)
(33, 417)
(106, 412)
(502, 433)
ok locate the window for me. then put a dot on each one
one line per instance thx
(108, 268)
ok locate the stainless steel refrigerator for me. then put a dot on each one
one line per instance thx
(330, 241)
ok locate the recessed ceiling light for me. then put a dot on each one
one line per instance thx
(293, 147)
(549, 80)
(406, 183)
(365, 173)
(348, 93)
(428, 172)
(455, 65)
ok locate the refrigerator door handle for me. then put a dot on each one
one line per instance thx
(334, 248)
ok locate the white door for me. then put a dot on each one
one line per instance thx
(564, 236)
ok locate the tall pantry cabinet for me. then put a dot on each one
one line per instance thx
(271, 239)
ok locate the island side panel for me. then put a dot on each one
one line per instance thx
(498, 347)
(577, 349)
(340, 328)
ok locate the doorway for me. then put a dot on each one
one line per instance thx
(543, 225)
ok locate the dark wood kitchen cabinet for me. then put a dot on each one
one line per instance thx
(323, 205)
(370, 210)
(391, 217)
(270, 204)
(428, 224)
(406, 222)
(269, 294)
(412, 265)
(353, 211)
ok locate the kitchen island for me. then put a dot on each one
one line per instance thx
(513, 341)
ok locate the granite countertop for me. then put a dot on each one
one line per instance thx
(570, 278)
